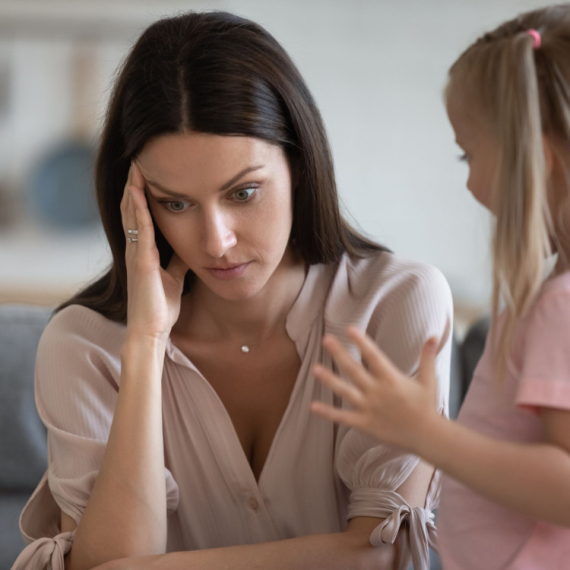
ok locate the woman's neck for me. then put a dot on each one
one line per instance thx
(205, 315)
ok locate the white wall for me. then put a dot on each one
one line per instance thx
(376, 69)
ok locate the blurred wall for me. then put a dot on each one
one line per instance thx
(376, 69)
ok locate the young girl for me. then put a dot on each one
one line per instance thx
(506, 498)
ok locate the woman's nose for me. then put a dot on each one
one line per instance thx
(218, 236)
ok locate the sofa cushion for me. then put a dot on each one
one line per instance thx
(23, 449)
(11, 541)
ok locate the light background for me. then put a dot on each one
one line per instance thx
(376, 69)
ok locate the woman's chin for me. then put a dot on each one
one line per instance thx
(234, 290)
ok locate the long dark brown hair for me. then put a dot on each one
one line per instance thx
(215, 73)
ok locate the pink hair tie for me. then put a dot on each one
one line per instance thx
(536, 38)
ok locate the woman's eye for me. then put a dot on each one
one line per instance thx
(243, 194)
(464, 157)
(175, 207)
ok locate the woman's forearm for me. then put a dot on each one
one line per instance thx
(126, 512)
(531, 478)
(339, 551)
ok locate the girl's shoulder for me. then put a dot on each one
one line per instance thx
(551, 304)
(559, 284)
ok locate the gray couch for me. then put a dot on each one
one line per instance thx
(23, 453)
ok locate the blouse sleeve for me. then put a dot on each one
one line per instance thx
(76, 387)
(404, 318)
(545, 366)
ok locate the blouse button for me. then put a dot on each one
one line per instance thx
(253, 504)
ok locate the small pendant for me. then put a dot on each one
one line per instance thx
(245, 348)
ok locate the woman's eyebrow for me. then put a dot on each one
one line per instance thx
(239, 175)
(233, 180)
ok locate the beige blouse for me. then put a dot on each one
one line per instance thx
(317, 475)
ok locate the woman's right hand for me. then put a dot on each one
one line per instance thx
(154, 293)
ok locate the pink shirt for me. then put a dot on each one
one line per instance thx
(317, 475)
(473, 532)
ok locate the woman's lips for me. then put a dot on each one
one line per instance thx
(230, 272)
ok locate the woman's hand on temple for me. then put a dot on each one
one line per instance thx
(154, 293)
(385, 403)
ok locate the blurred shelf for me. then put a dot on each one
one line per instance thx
(45, 266)
(465, 315)
(30, 296)
(111, 20)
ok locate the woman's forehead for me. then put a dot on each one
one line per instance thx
(180, 161)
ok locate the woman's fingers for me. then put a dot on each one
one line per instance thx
(143, 224)
(177, 268)
(137, 179)
(346, 364)
(126, 215)
(338, 385)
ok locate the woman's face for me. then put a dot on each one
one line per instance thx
(224, 204)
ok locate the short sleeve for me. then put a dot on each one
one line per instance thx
(417, 307)
(545, 355)
(77, 379)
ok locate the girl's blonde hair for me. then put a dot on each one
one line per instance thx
(524, 92)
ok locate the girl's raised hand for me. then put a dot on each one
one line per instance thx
(385, 403)
(154, 294)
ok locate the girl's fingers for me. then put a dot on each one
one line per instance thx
(339, 386)
(347, 365)
(346, 417)
(427, 375)
(378, 363)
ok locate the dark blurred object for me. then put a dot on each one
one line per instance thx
(4, 87)
(8, 209)
(471, 351)
(61, 192)
(455, 378)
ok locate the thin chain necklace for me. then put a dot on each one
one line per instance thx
(245, 348)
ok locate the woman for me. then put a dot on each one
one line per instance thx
(230, 262)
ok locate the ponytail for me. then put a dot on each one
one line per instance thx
(523, 225)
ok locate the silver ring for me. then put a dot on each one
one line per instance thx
(134, 232)
(131, 239)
